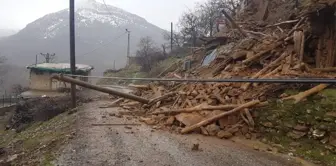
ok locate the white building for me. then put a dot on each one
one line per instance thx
(40, 75)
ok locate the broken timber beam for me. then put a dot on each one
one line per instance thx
(217, 117)
(299, 97)
(273, 64)
(284, 22)
(256, 56)
(203, 108)
(100, 89)
(265, 11)
(195, 109)
(234, 23)
(327, 69)
(155, 100)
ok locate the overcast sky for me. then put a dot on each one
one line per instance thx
(16, 14)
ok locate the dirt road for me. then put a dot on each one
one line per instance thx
(141, 145)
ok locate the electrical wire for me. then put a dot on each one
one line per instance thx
(103, 45)
(107, 8)
(232, 80)
(113, 40)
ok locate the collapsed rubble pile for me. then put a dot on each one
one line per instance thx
(276, 41)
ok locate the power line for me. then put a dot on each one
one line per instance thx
(232, 80)
(109, 12)
(103, 45)
(107, 8)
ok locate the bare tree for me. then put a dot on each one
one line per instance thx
(190, 29)
(148, 54)
(49, 58)
(177, 39)
(203, 19)
(210, 12)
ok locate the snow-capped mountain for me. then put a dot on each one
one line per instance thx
(98, 27)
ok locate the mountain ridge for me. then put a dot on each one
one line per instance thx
(97, 29)
(95, 26)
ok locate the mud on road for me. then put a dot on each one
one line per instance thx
(142, 145)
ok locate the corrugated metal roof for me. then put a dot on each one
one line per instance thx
(209, 58)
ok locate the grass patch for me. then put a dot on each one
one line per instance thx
(48, 159)
(39, 141)
(308, 149)
(312, 112)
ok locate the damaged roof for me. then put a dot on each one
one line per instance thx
(60, 67)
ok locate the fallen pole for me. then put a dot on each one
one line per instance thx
(101, 89)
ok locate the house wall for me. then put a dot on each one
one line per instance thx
(42, 81)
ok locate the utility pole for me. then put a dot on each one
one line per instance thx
(128, 45)
(114, 65)
(72, 50)
(171, 37)
(36, 59)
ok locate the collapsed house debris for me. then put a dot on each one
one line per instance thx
(293, 44)
(296, 44)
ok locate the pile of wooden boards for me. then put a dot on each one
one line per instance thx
(208, 108)
(276, 50)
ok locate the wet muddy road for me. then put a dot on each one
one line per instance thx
(141, 145)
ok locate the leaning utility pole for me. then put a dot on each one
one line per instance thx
(171, 37)
(128, 45)
(72, 50)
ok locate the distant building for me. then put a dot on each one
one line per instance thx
(40, 75)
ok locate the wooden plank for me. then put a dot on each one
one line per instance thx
(217, 117)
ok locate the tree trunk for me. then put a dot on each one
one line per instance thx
(211, 28)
